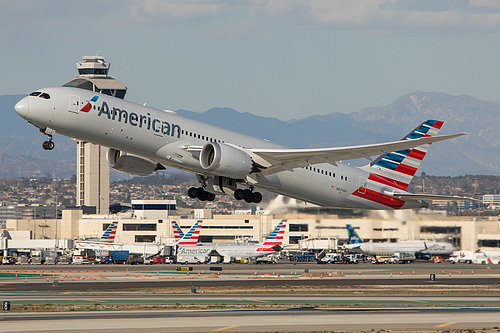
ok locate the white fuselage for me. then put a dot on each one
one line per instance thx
(433, 248)
(164, 136)
(229, 250)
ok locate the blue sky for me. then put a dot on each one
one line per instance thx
(283, 58)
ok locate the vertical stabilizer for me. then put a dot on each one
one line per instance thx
(178, 233)
(276, 237)
(191, 237)
(110, 233)
(397, 169)
(353, 235)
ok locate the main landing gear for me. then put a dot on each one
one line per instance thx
(201, 194)
(248, 195)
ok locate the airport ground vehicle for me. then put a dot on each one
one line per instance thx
(339, 258)
(331, 258)
(301, 256)
(403, 258)
(116, 257)
(485, 258)
(192, 259)
(266, 260)
(461, 257)
(7, 261)
(382, 260)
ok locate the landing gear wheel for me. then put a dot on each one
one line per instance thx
(202, 195)
(192, 192)
(256, 197)
(210, 196)
(48, 145)
(247, 196)
(238, 194)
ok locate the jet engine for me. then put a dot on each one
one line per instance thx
(136, 165)
(225, 160)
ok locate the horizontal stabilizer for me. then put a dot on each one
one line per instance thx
(424, 196)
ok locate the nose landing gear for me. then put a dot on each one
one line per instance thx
(48, 145)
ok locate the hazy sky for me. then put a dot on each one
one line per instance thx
(282, 58)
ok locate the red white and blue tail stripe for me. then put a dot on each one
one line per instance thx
(110, 233)
(397, 169)
(274, 241)
(178, 233)
(394, 171)
(191, 237)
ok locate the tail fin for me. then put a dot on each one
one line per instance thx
(353, 235)
(191, 237)
(276, 237)
(397, 169)
(178, 233)
(110, 233)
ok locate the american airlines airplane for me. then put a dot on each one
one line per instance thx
(356, 244)
(238, 250)
(143, 140)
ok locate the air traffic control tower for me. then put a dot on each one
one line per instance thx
(92, 174)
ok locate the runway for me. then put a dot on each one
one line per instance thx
(250, 298)
(294, 320)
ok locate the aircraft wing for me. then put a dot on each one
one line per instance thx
(277, 160)
(424, 196)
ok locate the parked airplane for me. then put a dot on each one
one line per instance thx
(191, 237)
(145, 249)
(178, 233)
(353, 235)
(422, 248)
(143, 140)
(110, 233)
(239, 250)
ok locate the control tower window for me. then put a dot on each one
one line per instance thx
(92, 71)
(35, 93)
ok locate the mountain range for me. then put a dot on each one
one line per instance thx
(21, 153)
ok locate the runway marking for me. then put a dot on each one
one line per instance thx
(420, 301)
(224, 328)
(257, 300)
(446, 324)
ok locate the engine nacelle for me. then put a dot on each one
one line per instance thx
(224, 160)
(136, 165)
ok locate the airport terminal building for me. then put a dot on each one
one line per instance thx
(149, 221)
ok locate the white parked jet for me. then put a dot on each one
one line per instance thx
(356, 244)
(143, 140)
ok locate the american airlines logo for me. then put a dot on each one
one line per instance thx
(138, 120)
(187, 250)
(88, 106)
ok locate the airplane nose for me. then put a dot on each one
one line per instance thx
(22, 107)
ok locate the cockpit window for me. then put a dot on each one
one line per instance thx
(40, 94)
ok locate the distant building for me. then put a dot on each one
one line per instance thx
(492, 201)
